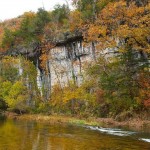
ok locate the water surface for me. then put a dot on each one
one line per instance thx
(28, 135)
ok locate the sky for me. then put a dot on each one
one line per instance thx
(13, 8)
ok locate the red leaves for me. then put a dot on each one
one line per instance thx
(147, 103)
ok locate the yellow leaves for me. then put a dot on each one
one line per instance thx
(5, 88)
(94, 32)
(9, 61)
(69, 95)
(72, 92)
(29, 14)
(17, 94)
(123, 31)
(13, 93)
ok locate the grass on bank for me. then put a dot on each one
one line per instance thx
(135, 124)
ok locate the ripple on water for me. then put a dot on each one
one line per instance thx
(146, 140)
(111, 131)
(117, 132)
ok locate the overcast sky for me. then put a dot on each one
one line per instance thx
(13, 8)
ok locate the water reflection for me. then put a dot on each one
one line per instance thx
(17, 135)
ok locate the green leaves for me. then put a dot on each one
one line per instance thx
(17, 95)
(8, 39)
(5, 88)
(18, 82)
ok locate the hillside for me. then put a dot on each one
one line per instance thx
(90, 61)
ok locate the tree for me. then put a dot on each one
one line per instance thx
(42, 18)
(60, 14)
(124, 31)
(18, 85)
(9, 72)
(8, 39)
(17, 97)
(90, 8)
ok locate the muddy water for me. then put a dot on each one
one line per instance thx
(26, 135)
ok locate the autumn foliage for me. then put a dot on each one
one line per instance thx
(112, 85)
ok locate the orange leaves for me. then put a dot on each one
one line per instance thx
(43, 59)
(95, 31)
(133, 11)
(75, 20)
(147, 103)
(123, 31)
(11, 25)
(120, 21)
(46, 47)
(112, 12)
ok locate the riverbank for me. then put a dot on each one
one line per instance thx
(135, 123)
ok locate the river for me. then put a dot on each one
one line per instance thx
(29, 135)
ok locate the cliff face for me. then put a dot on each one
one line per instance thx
(66, 63)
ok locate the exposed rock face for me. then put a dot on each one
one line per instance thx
(66, 62)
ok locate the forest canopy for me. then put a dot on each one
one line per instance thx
(121, 85)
